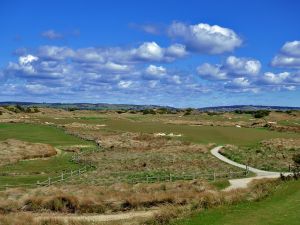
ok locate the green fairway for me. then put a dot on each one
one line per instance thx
(38, 134)
(199, 134)
(30, 171)
(282, 207)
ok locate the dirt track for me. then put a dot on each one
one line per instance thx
(99, 218)
(243, 182)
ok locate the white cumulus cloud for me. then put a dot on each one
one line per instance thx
(232, 67)
(289, 56)
(158, 71)
(204, 38)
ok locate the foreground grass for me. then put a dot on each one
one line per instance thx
(282, 207)
(38, 133)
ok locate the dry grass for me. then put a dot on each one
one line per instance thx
(275, 154)
(117, 197)
(173, 199)
(137, 155)
(12, 151)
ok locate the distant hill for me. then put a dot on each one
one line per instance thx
(106, 106)
(247, 108)
(87, 106)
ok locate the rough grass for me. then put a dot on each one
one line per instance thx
(272, 155)
(282, 207)
(12, 151)
(136, 156)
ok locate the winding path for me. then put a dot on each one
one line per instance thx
(243, 182)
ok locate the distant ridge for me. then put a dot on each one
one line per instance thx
(247, 107)
(107, 106)
(87, 106)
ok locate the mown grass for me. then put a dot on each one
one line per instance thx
(30, 171)
(199, 134)
(282, 207)
(38, 134)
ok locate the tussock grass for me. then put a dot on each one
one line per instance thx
(12, 151)
(274, 155)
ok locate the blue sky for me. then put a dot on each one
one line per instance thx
(177, 53)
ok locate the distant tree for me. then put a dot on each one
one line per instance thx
(187, 113)
(72, 109)
(19, 107)
(36, 110)
(148, 111)
(28, 110)
(261, 113)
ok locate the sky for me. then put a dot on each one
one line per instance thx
(177, 53)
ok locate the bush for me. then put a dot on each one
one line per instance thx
(296, 159)
(261, 113)
(149, 111)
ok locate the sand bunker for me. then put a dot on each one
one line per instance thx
(168, 135)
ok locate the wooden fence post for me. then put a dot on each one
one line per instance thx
(214, 176)
(62, 176)
(147, 179)
(49, 181)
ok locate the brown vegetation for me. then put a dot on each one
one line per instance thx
(274, 154)
(11, 151)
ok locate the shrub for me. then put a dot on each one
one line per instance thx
(261, 113)
(149, 111)
(296, 159)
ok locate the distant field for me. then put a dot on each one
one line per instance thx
(38, 133)
(197, 134)
(280, 208)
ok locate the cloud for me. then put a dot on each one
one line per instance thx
(246, 66)
(176, 51)
(125, 84)
(205, 39)
(146, 52)
(272, 78)
(156, 71)
(241, 82)
(289, 56)
(25, 65)
(55, 52)
(148, 28)
(52, 35)
(232, 67)
(291, 49)
(211, 72)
